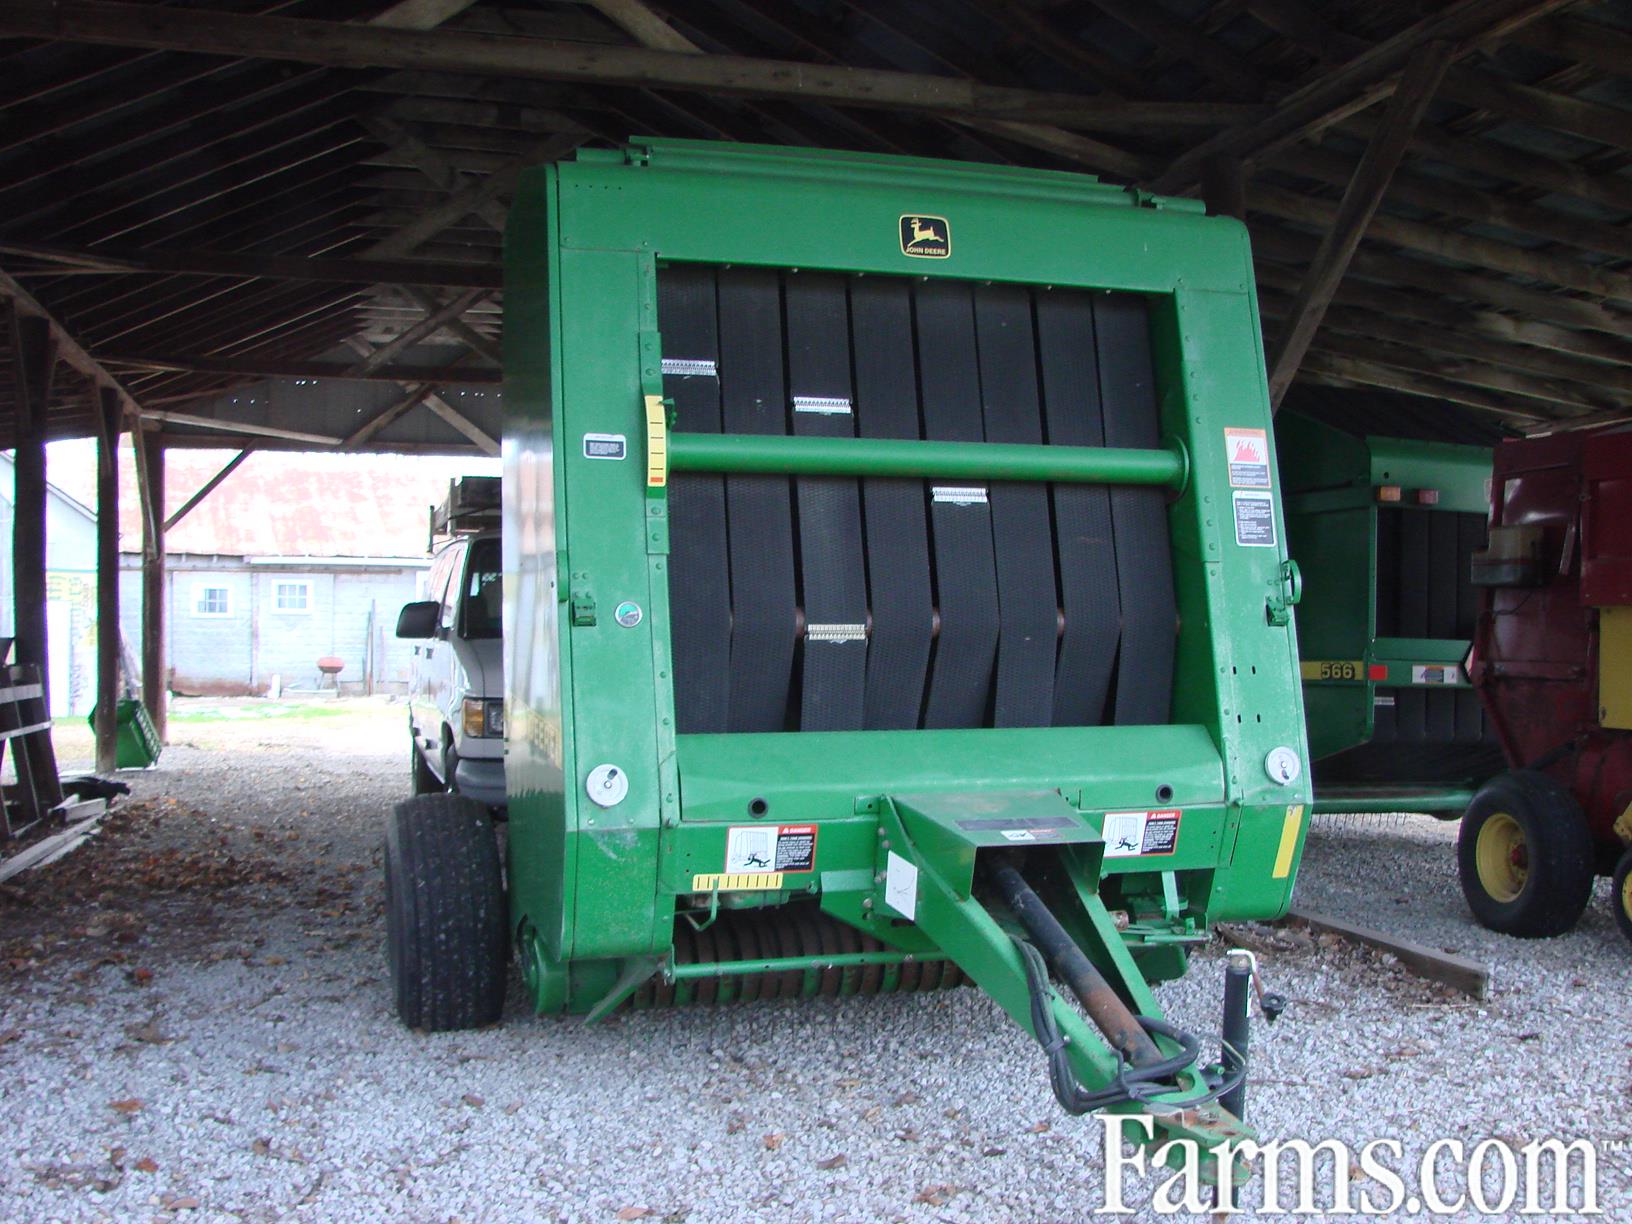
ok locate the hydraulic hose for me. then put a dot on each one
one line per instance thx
(1103, 1005)
(1144, 1072)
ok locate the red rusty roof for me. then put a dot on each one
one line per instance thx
(283, 504)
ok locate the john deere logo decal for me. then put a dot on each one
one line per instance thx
(925, 237)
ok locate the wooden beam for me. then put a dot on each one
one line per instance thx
(1457, 200)
(366, 271)
(208, 487)
(155, 679)
(484, 442)
(1484, 253)
(1589, 381)
(34, 366)
(434, 401)
(1471, 977)
(257, 367)
(1550, 396)
(365, 431)
(1400, 306)
(1440, 280)
(69, 350)
(1370, 374)
(1184, 40)
(1360, 82)
(419, 14)
(1606, 48)
(237, 427)
(1094, 154)
(110, 421)
(1354, 213)
(643, 25)
(1545, 108)
(432, 323)
(341, 45)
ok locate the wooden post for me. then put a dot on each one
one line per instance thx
(154, 677)
(107, 579)
(34, 363)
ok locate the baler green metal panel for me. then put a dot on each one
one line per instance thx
(1388, 605)
(625, 830)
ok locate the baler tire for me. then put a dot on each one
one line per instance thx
(447, 944)
(425, 781)
(1557, 875)
(1622, 895)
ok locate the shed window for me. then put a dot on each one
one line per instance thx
(292, 596)
(212, 601)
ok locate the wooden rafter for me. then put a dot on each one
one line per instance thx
(1359, 83)
(338, 45)
(1354, 213)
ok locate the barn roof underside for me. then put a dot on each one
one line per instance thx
(279, 224)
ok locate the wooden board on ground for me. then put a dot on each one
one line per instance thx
(1459, 972)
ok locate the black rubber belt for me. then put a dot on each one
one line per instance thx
(898, 577)
(1022, 542)
(1442, 582)
(834, 676)
(1144, 559)
(1082, 513)
(960, 684)
(699, 572)
(1411, 705)
(758, 510)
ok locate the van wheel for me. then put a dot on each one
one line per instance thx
(424, 781)
(445, 914)
(1525, 856)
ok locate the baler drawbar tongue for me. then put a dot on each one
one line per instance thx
(1119, 1062)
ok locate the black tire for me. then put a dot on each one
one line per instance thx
(424, 781)
(445, 914)
(1525, 856)
(1621, 898)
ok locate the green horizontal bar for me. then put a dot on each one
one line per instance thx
(1427, 799)
(814, 456)
(785, 964)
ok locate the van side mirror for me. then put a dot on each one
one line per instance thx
(419, 619)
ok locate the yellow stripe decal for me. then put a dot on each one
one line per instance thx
(737, 881)
(1289, 840)
(657, 443)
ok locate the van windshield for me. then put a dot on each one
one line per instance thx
(484, 591)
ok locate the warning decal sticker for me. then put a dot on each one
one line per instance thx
(605, 446)
(1254, 519)
(1436, 673)
(1248, 453)
(1129, 834)
(770, 848)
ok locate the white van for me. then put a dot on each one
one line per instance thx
(456, 687)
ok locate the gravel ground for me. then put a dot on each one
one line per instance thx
(194, 1024)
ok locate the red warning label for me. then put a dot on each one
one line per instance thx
(1248, 454)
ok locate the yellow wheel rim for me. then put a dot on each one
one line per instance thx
(1503, 859)
(1626, 896)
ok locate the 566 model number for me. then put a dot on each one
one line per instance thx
(1331, 669)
